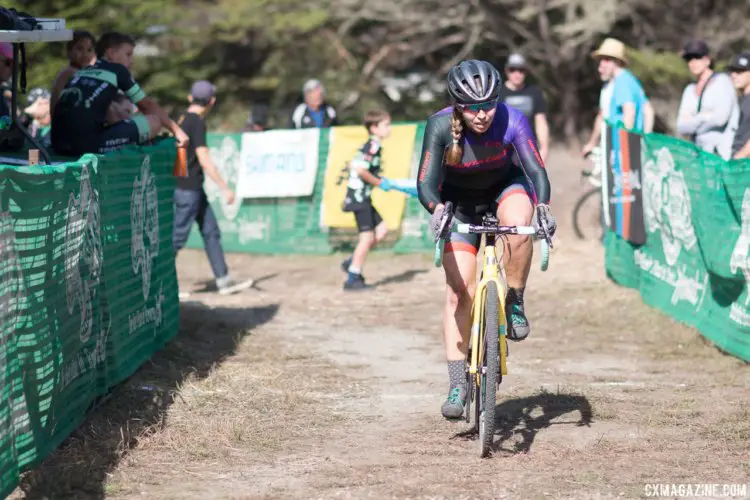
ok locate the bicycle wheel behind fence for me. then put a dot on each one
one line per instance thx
(490, 365)
(587, 215)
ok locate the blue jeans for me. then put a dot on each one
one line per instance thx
(191, 206)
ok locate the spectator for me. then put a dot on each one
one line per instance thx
(364, 176)
(258, 119)
(622, 98)
(80, 54)
(708, 112)
(739, 68)
(6, 73)
(38, 110)
(528, 99)
(314, 112)
(191, 202)
(79, 119)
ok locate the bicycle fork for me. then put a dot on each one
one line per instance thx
(491, 271)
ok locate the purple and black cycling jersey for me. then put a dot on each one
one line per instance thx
(487, 164)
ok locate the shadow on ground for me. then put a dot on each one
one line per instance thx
(403, 277)
(524, 417)
(79, 468)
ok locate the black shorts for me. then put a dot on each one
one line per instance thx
(133, 131)
(367, 218)
(473, 212)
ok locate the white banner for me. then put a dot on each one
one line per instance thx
(278, 163)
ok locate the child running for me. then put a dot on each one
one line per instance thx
(364, 172)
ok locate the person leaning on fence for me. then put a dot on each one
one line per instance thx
(79, 118)
(739, 68)
(315, 111)
(708, 113)
(364, 176)
(190, 200)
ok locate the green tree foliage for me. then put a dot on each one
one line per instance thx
(264, 50)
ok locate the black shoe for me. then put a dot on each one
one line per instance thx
(355, 282)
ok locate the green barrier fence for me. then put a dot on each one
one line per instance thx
(695, 263)
(293, 224)
(88, 290)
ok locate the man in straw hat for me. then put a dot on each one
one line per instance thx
(622, 97)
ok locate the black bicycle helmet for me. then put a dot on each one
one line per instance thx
(473, 82)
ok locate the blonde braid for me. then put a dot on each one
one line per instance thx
(456, 151)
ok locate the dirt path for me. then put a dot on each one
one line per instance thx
(299, 390)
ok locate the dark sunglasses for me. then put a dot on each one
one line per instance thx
(476, 108)
(690, 57)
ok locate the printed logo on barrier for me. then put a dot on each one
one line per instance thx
(12, 290)
(227, 160)
(83, 253)
(12, 296)
(144, 223)
(667, 210)
(740, 262)
(666, 205)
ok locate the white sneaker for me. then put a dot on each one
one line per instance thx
(229, 286)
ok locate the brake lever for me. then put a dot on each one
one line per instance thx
(545, 231)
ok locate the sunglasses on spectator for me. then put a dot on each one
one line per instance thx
(476, 108)
(690, 57)
(516, 70)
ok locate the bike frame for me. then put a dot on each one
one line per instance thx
(493, 270)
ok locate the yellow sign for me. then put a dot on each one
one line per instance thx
(396, 159)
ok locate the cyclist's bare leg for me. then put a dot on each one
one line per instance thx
(460, 275)
(516, 209)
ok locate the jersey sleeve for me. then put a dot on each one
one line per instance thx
(531, 161)
(127, 84)
(436, 137)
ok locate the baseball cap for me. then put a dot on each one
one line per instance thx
(740, 62)
(516, 61)
(6, 50)
(203, 90)
(695, 48)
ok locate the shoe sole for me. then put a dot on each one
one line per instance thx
(236, 288)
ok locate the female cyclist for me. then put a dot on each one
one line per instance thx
(468, 159)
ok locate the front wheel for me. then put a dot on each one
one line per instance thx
(490, 367)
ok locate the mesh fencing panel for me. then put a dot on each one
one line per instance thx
(694, 265)
(88, 290)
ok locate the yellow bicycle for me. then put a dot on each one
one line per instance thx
(486, 356)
